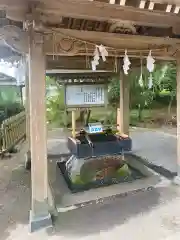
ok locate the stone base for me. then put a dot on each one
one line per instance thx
(66, 201)
(28, 161)
(176, 180)
(37, 223)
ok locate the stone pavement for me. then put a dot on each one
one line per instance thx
(157, 147)
(144, 216)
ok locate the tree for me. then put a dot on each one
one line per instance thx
(140, 96)
(168, 83)
(55, 103)
(114, 91)
(140, 93)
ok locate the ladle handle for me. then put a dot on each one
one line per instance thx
(89, 141)
(90, 144)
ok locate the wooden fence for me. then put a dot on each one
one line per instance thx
(12, 131)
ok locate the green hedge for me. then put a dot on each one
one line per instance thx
(9, 109)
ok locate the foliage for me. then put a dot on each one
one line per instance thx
(56, 112)
(114, 91)
(169, 80)
(10, 94)
(10, 101)
(169, 83)
(141, 96)
(10, 109)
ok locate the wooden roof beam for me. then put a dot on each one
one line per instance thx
(142, 4)
(101, 11)
(112, 1)
(13, 4)
(176, 10)
(122, 2)
(157, 55)
(108, 38)
(80, 62)
(168, 8)
(151, 6)
(118, 42)
(175, 2)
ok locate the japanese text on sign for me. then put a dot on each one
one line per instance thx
(77, 95)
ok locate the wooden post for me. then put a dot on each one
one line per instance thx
(39, 215)
(178, 115)
(73, 123)
(27, 107)
(124, 104)
(118, 120)
(177, 178)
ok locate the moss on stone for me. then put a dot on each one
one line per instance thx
(124, 171)
(77, 180)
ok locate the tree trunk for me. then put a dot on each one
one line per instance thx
(140, 109)
(66, 119)
(169, 106)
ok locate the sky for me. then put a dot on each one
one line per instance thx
(12, 71)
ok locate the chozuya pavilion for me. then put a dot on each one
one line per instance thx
(63, 34)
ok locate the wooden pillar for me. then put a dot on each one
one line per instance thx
(178, 115)
(124, 104)
(74, 123)
(27, 107)
(39, 215)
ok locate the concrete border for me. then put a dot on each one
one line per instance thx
(69, 201)
(176, 180)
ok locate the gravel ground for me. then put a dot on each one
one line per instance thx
(146, 215)
(14, 194)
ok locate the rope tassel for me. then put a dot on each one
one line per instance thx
(127, 63)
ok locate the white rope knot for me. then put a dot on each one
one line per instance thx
(150, 62)
(127, 63)
(99, 51)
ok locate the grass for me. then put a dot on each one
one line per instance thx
(56, 116)
(150, 117)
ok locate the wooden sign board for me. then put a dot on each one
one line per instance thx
(85, 95)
